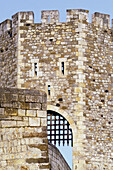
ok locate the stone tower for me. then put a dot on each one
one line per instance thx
(73, 63)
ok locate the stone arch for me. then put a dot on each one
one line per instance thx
(71, 122)
(65, 115)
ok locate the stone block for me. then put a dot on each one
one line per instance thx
(7, 123)
(35, 106)
(34, 121)
(35, 99)
(44, 107)
(41, 113)
(11, 111)
(22, 123)
(25, 105)
(21, 112)
(31, 113)
(43, 121)
(1, 111)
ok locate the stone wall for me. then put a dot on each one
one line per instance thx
(49, 45)
(83, 93)
(57, 161)
(10, 47)
(8, 55)
(23, 130)
(98, 110)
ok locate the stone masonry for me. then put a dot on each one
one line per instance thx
(23, 130)
(31, 57)
(56, 159)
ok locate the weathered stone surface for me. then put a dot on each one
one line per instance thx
(21, 112)
(34, 121)
(42, 147)
(22, 139)
(31, 113)
(39, 160)
(85, 85)
(56, 159)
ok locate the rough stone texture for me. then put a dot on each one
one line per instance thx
(57, 161)
(85, 87)
(8, 55)
(23, 139)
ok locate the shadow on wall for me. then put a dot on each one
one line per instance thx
(57, 161)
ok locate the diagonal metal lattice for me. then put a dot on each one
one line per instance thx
(58, 129)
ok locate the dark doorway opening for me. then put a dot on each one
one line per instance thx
(58, 129)
(60, 134)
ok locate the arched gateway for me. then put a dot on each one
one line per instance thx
(60, 122)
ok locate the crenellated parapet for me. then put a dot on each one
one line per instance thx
(51, 16)
(22, 18)
(77, 15)
(5, 26)
(18, 19)
(102, 20)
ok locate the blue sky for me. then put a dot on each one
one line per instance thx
(8, 8)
